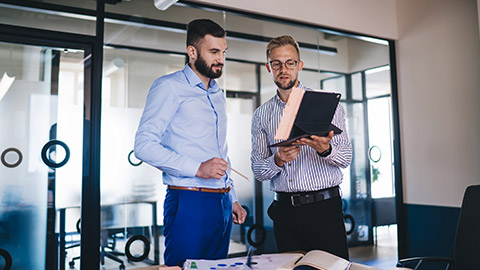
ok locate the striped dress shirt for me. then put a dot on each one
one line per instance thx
(308, 171)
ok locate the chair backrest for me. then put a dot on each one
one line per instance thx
(467, 240)
(383, 211)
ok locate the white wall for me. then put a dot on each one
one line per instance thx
(373, 17)
(438, 54)
(439, 82)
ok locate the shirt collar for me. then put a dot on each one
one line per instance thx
(194, 80)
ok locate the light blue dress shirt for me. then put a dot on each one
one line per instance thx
(184, 124)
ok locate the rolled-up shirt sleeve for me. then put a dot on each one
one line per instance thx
(341, 154)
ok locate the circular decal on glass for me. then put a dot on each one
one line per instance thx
(46, 154)
(146, 248)
(344, 205)
(375, 154)
(15, 164)
(349, 223)
(130, 160)
(8, 259)
(262, 237)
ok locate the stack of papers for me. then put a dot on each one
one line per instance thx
(263, 262)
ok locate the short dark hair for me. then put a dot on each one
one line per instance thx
(280, 42)
(197, 29)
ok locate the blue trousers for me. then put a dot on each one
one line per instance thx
(197, 225)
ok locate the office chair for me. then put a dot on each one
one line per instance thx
(383, 213)
(108, 246)
(108, 241)
(467, 238)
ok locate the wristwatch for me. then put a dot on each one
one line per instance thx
(326, 152)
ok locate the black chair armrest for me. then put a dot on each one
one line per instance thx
(404, 262)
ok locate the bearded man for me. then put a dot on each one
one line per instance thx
(182, 132)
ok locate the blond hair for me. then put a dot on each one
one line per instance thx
(282, 41)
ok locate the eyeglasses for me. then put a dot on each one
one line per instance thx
(289, 64)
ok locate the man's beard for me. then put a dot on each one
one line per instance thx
(202, 67)
(288, 86)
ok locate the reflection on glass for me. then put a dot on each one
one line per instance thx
(238, 77)
(239, 113)
(310, 79)
(36, 114)
(380, 152)
(357, 86)
(357, 204)
(335, 84)
(378, 91)
(328, 81)
(132, 192)
(57, 21)
(268, 88)
(378, 81)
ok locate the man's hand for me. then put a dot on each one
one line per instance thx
(320, 144)
(286, 154)
(239, 213)
(212, 168)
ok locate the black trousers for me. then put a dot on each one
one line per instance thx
(312, 226)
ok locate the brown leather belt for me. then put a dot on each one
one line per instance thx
(210, 190)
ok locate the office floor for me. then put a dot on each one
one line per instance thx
(383, 255)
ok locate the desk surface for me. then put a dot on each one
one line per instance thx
(157, 267)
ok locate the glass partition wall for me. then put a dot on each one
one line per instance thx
(142, 47)
(41, 103)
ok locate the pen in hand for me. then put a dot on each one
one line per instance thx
(238, 172)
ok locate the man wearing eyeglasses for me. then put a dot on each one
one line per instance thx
(307, 209)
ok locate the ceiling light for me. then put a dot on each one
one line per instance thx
(377, 69)
(113, 66)
(163, 4)
(5, 84)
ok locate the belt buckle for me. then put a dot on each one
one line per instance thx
(292, 199)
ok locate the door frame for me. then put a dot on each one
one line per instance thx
(93, 48)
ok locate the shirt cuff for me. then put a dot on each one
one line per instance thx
(271, 163)
(233, 195)
(333, 153)
(327, 152)
(190, 168)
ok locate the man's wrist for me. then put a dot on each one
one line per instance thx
(326, 152)
(278, 161)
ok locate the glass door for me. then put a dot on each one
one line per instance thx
(132, 192)
(41, 147)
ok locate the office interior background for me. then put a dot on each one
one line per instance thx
(69, 183)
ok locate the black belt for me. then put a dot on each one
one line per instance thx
(300, 198)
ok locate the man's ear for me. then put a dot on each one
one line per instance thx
(300, 65)
(192, 52)
(268, 67)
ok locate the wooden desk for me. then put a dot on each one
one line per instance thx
(148, 268)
